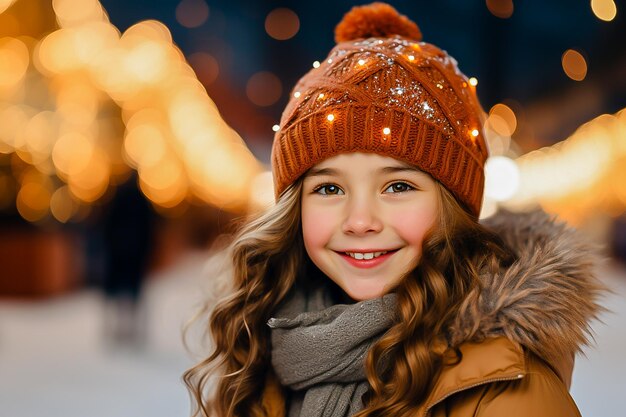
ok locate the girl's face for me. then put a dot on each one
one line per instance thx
(364, 204)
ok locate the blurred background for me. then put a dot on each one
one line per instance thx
(135, 134)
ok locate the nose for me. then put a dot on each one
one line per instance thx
(361, 218)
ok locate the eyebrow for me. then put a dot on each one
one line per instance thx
(314, 172)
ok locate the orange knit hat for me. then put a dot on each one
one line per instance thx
(381, 90)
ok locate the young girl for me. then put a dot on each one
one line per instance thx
(370, 288)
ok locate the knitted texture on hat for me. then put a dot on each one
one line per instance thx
(387, 93)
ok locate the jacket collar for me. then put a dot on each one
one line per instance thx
(496, 359)
(545, 300)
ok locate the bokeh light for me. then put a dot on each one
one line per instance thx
(76, 12)
(264, 88)
(63, 206)
(14, 60)
(206, 67)
(501, 178)
(500, 8)
(5, 4)
(604, 9)
(502, 120)
(574, 65)
(262, 191)
(282, 24)
(192, 13)
(33, 197)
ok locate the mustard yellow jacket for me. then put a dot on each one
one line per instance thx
(495, 378)
(518, 332)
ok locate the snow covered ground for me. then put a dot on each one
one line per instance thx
(54, 360)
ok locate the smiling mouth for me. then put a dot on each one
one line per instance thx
(365, 256)
(366, 260)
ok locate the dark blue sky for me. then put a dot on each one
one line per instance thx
(517, 58)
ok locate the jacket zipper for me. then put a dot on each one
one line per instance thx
(487, 381)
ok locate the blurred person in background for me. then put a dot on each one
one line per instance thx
(128, 224)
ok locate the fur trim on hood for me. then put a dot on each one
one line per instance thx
(544, 300)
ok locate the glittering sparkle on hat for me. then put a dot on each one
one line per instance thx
(475, 132)
(361, 62)
(296, 94)
(473, 81)
(330, 61)
(275, 128)
(321, 96)
(386, 131)
(411, 58)
(316, 64)
(330, 117)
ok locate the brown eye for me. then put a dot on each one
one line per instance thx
(329, 189)
(399, 187)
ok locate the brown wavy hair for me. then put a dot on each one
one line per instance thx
(268, 257)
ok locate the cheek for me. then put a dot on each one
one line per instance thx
(412, 225)
(317, 228)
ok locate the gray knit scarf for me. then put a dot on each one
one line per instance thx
(318, 350)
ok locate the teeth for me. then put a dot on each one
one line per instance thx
(369, 255)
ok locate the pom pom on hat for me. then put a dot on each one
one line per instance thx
(375, 20)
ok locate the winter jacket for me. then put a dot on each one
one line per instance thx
(518, 332)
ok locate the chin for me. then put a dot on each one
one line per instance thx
(362, 294)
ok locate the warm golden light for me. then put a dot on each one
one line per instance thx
(386, 131)
(72, 153)
(147, 62)
(164, 183)
(77, 102)
(147, 30)
(113, 102)
(13, 119)
(62, 204)
(361, 62)
(90, 184)
(330, 117)
(14, 60)
(76, 12)
(604, 9)
(411, 58)
(282, 24)
(145, 145)
(262, 191)
(502, 178)
(474, 132)
(5, 4)
(502, 120)
(33, 200)
(39, 135)
(574, 65)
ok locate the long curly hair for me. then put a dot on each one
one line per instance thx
(268, 257)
